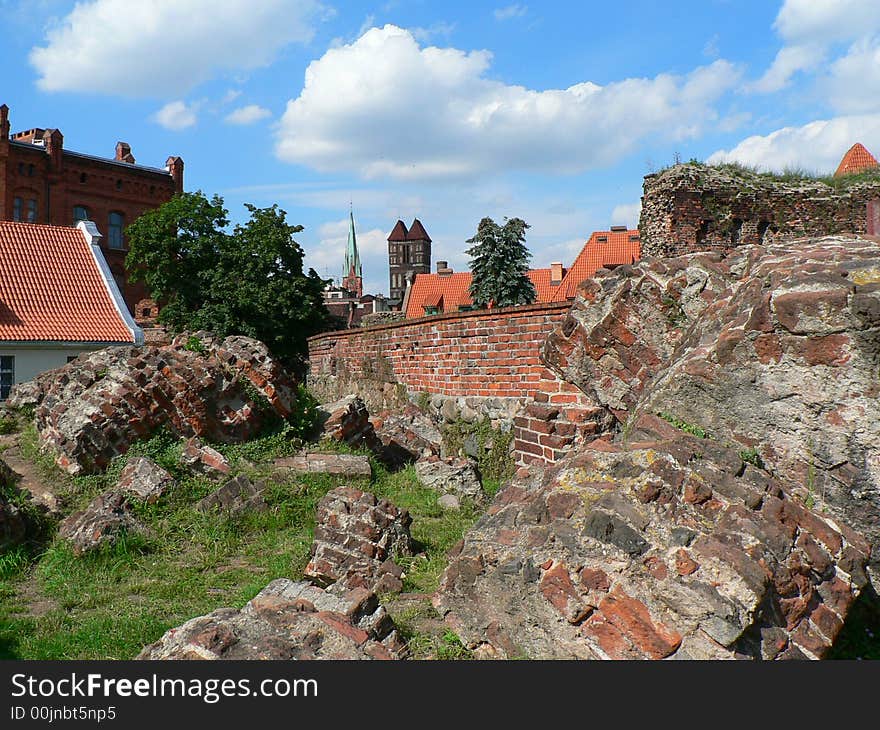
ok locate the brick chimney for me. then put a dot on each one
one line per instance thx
(123, 153)
(54, 142)
(4, 123)
(174, 165)
(443, 268)
(556, 273)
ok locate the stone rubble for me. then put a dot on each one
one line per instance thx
(773, 349)
(356, 538)
(93, 408)
(237, 495)
(346, 465)
(106, 518)
(144, 479)
(667, 546)
(200, 458)
(288, 620)
(450, 476)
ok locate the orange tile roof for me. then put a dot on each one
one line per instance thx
(51, 288)
(617, 248)
(857, 159)
(453, 291)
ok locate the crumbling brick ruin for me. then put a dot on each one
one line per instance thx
(696, 207)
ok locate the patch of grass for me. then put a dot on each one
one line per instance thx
(194, 344)
(751, 456)
(13, 562)
(428, 644)
(8, 425)
(690, 428)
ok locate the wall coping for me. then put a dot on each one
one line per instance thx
(474, 314)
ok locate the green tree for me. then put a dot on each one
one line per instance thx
(248, 282)
(499, 264)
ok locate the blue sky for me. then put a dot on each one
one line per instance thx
(552, 111)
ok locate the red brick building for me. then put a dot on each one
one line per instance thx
(41, 182)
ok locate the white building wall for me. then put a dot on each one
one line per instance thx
(31, 361)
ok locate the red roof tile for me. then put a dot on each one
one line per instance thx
(417, 232)
(605, 248)
(398, 233)
(453, 291)
(51, 288)
(857, 159)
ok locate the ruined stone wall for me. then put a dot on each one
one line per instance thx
(486, 361)
(695, 207)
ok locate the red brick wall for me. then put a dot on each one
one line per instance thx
(483, 353)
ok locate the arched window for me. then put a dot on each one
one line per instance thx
(80, 213)
(114, 230)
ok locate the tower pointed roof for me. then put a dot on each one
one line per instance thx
(399, 232)
(857, 159)
(352, 257)
(417, 232)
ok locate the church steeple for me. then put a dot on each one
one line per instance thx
(352, 275)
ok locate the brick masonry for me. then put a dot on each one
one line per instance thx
(695, 207)
(492, 354)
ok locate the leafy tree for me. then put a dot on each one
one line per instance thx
(499, 262)
(248, 282)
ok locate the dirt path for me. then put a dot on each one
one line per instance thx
(29, 478)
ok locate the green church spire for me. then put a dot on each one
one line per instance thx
(352, 257)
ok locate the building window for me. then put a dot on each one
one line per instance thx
(80, 213)
(32, 211)
(16, 209)
(7, 375)
(431, 310)
(114, 230)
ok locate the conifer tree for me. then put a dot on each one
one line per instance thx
(499, 264)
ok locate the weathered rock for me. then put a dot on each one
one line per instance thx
(288, 620)
(604, 556)
(348, 422)
(144, 479)
(93, 408)
(102, 522)
(773, 349)
(203, 459)
(237, 495)
(407, 435)
(449, 502)
(347, 465)
(450, 476)
(356, 538)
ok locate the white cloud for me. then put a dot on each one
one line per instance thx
(626, 214)
(853, 81)
(817, 146)
(230, 96)
(162, 47)
(247, 114)
(511, 11)
(328, 255)
(177, 115)
(384, 107)
(809, 28)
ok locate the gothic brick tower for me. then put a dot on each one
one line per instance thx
(409, 253)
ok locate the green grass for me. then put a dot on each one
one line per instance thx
(110, 604)
(690, 428)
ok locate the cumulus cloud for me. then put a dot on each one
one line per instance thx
(160, 47)
(817, 146)
(247, 115)
(626, 214)
(385, 107)
(177, 115)
(328, 255)
(809, 28)
(511, 11)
